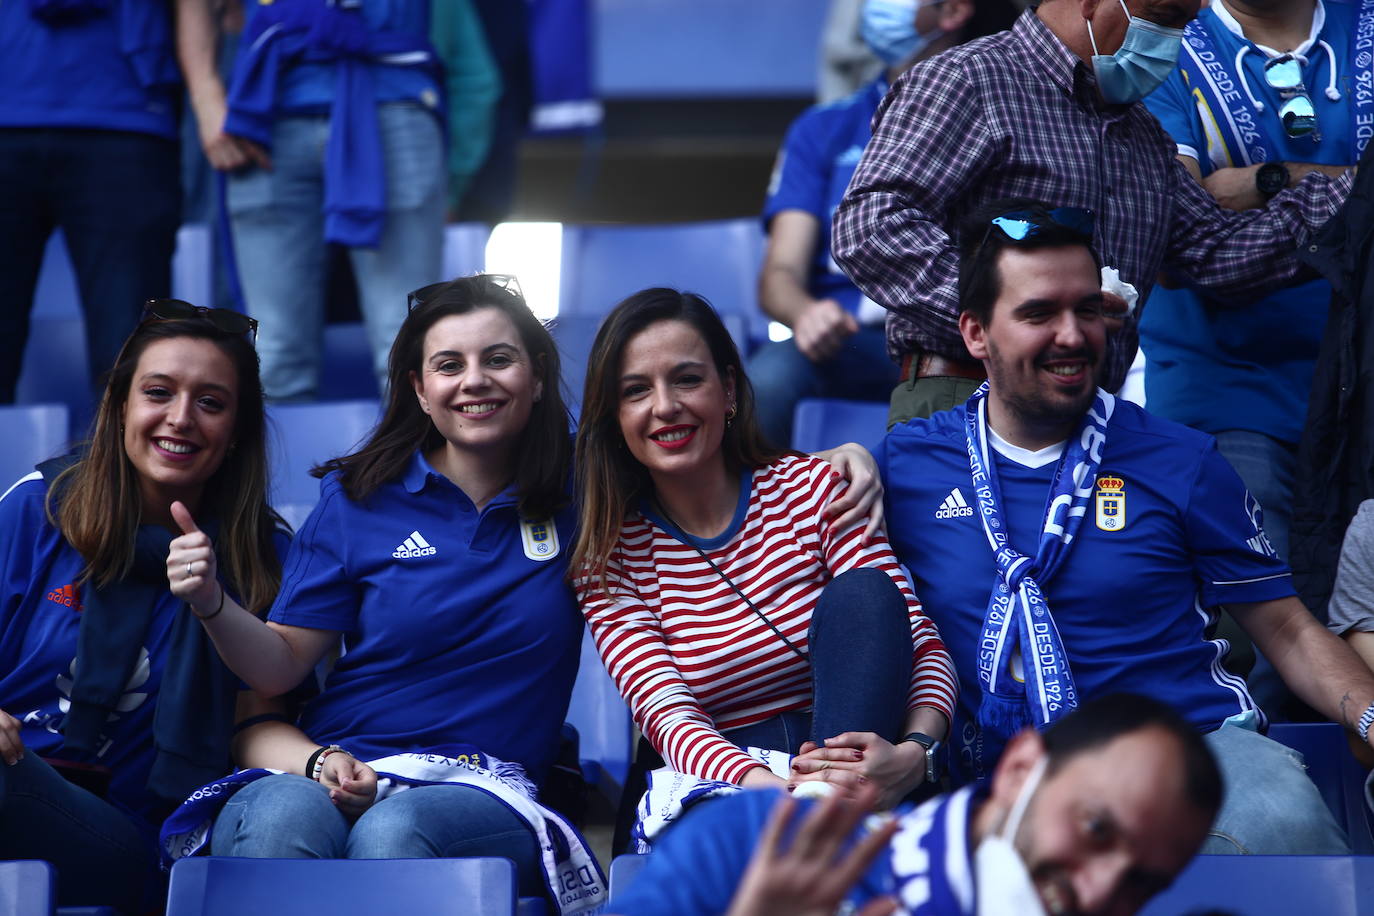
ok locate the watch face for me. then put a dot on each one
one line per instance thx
(1271, 178)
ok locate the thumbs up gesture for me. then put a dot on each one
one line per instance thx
(191, 566)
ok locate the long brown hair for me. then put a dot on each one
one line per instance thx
(609, 478)
(544, 451)
(96, 502)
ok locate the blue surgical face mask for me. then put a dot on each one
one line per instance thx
(1145, 59)
(889, 28)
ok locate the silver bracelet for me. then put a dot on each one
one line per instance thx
(1366, 721)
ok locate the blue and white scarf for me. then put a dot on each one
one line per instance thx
(670, 794)
(1238, 135)
(932, 869)
(571, 873)
(1017, 625)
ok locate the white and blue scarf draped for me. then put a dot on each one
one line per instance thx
(1237, 134)
(669, 794)
(571, 873)
(931, 865)
(1018, 626)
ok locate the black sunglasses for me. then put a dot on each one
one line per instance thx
(178, 310)
(418, 297)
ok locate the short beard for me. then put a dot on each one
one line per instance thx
(1034, 412)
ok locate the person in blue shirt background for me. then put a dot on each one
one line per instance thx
(333, 131)
(1225, 109)
(837, 347)
(1253, 359)
(1069, 544)
(438, 552)
(89, 98)
(103, 676)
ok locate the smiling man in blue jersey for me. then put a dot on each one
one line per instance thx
(1088, 545)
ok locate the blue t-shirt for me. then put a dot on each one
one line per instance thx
(818, 157)
(1254, 359)
(112, 71)
(459, 626)
(40, 619)
(309, 87)
(1135, 605)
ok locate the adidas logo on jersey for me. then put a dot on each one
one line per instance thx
(413, 546)
(954, 506)
(67, 597)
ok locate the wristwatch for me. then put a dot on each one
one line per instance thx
(1271, 178)
(933, 748)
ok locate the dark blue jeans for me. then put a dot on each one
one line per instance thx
(100, 854)
(117, 197)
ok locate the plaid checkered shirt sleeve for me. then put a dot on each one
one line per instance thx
(1018, 115)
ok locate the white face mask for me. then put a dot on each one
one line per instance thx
(1004, 884)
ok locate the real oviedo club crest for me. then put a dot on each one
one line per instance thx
(1111, 502)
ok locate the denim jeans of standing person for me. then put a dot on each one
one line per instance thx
(1271, 807)
(101, 856)
(1266, 466)
(291, 817)
(277, 221)
(782, 376)
(116, 196)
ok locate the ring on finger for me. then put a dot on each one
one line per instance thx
(189, 571)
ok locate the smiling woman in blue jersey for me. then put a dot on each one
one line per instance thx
(104, 678)
(437, 552)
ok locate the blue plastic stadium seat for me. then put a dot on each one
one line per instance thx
(193, 266)
(29, 433)
(623, 871)
(304, 435)
(1258, 885)
(820, 423)
(720, 260)
(603, 725)
(1339, 778)
(27, 888)
(219, 886)
(346, 363)
(465, 249)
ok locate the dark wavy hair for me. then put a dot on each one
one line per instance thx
(96, 502)
(609, 478)
(544, 451)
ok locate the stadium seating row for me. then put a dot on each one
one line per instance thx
(599, 266)
(216, 886)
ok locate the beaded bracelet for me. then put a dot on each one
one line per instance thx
(317, 760)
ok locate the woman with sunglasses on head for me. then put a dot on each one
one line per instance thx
(736, 617)
(104, 679)
(438, 553)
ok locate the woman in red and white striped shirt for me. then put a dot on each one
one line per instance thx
(731, 611)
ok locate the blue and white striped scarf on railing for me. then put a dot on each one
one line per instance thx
(1017, 625)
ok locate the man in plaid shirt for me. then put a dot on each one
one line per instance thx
(1023, 114)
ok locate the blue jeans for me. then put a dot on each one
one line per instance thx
(278, 228)
(116, 196)
(101, 855)
(1271, 806)
(291, 817)
(782, 376)
(1266, 466)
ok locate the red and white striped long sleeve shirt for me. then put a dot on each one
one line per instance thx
(689, 655)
